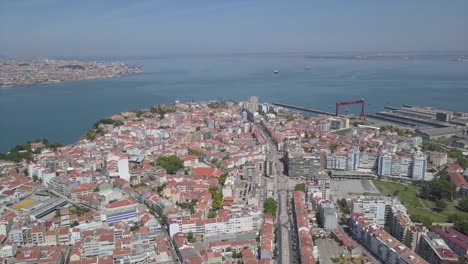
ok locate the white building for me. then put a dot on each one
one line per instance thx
(215, 226)
(419, 168)
(337, 161)
(328, 215)
(123, 169)
(393, 166)
(385, 165)
(438, 158)
(352, 162)
(372, 208)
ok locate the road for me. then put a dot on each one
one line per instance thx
(285, 228)
(281, 185)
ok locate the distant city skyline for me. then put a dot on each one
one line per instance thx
(149, 28)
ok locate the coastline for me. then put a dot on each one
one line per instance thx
(11, 87)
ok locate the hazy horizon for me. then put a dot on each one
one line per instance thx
(53, 28)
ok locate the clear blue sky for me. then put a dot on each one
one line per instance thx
(130, 27)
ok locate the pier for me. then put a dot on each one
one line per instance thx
(304, 109)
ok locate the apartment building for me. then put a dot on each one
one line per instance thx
(385, 247)
(373, 208)
(433, 248)
(215, 226)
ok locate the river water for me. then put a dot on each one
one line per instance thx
(63, 112)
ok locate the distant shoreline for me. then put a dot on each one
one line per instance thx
(66, 81)
(15, 73)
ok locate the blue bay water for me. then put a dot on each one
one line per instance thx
(63, 112)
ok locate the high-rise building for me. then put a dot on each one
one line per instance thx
(324, 181)
(352, 160)
(252, 104)
(414, 167)
(385, 165)
(328, 215)
(401, 167)
(337, 161)
(301, 164)
(419, 168)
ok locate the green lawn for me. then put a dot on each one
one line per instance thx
(408, 197)
(450, 209)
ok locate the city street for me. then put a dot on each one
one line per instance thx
(281, 183)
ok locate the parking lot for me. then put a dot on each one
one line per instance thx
(347, 188)
(328, 249)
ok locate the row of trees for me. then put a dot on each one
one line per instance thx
(438, 189)
(222, 178)
(217, 198)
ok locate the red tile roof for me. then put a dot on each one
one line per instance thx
(124, 202)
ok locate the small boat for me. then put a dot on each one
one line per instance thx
(307, 68)
(275, 72)
(329, 106)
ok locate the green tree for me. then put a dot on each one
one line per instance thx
(270, 206)
(222, 178)
(160, 188)
(455, 153)
(135, 227)
(74, 223)
(212, 214)
(344, 206)
(213, 190)
(463, 162)
(425, 220)
(217, 201)
(440, 204)
(438, 189)
(333, 147)
(300, 187)
(191, 238)
(463, 204)
(170, 163)
(35, 178)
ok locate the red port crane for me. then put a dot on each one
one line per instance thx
(360, 101)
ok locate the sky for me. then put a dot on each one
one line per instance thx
(141, 28)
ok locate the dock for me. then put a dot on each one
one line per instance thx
(304, 109)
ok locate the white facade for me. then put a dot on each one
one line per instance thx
(419, 168)
(217, 226)
(414, 167)
(438, 158)
(337, 162)
(352, 162)
(385, 165)
(123, 169)
(372, 208)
